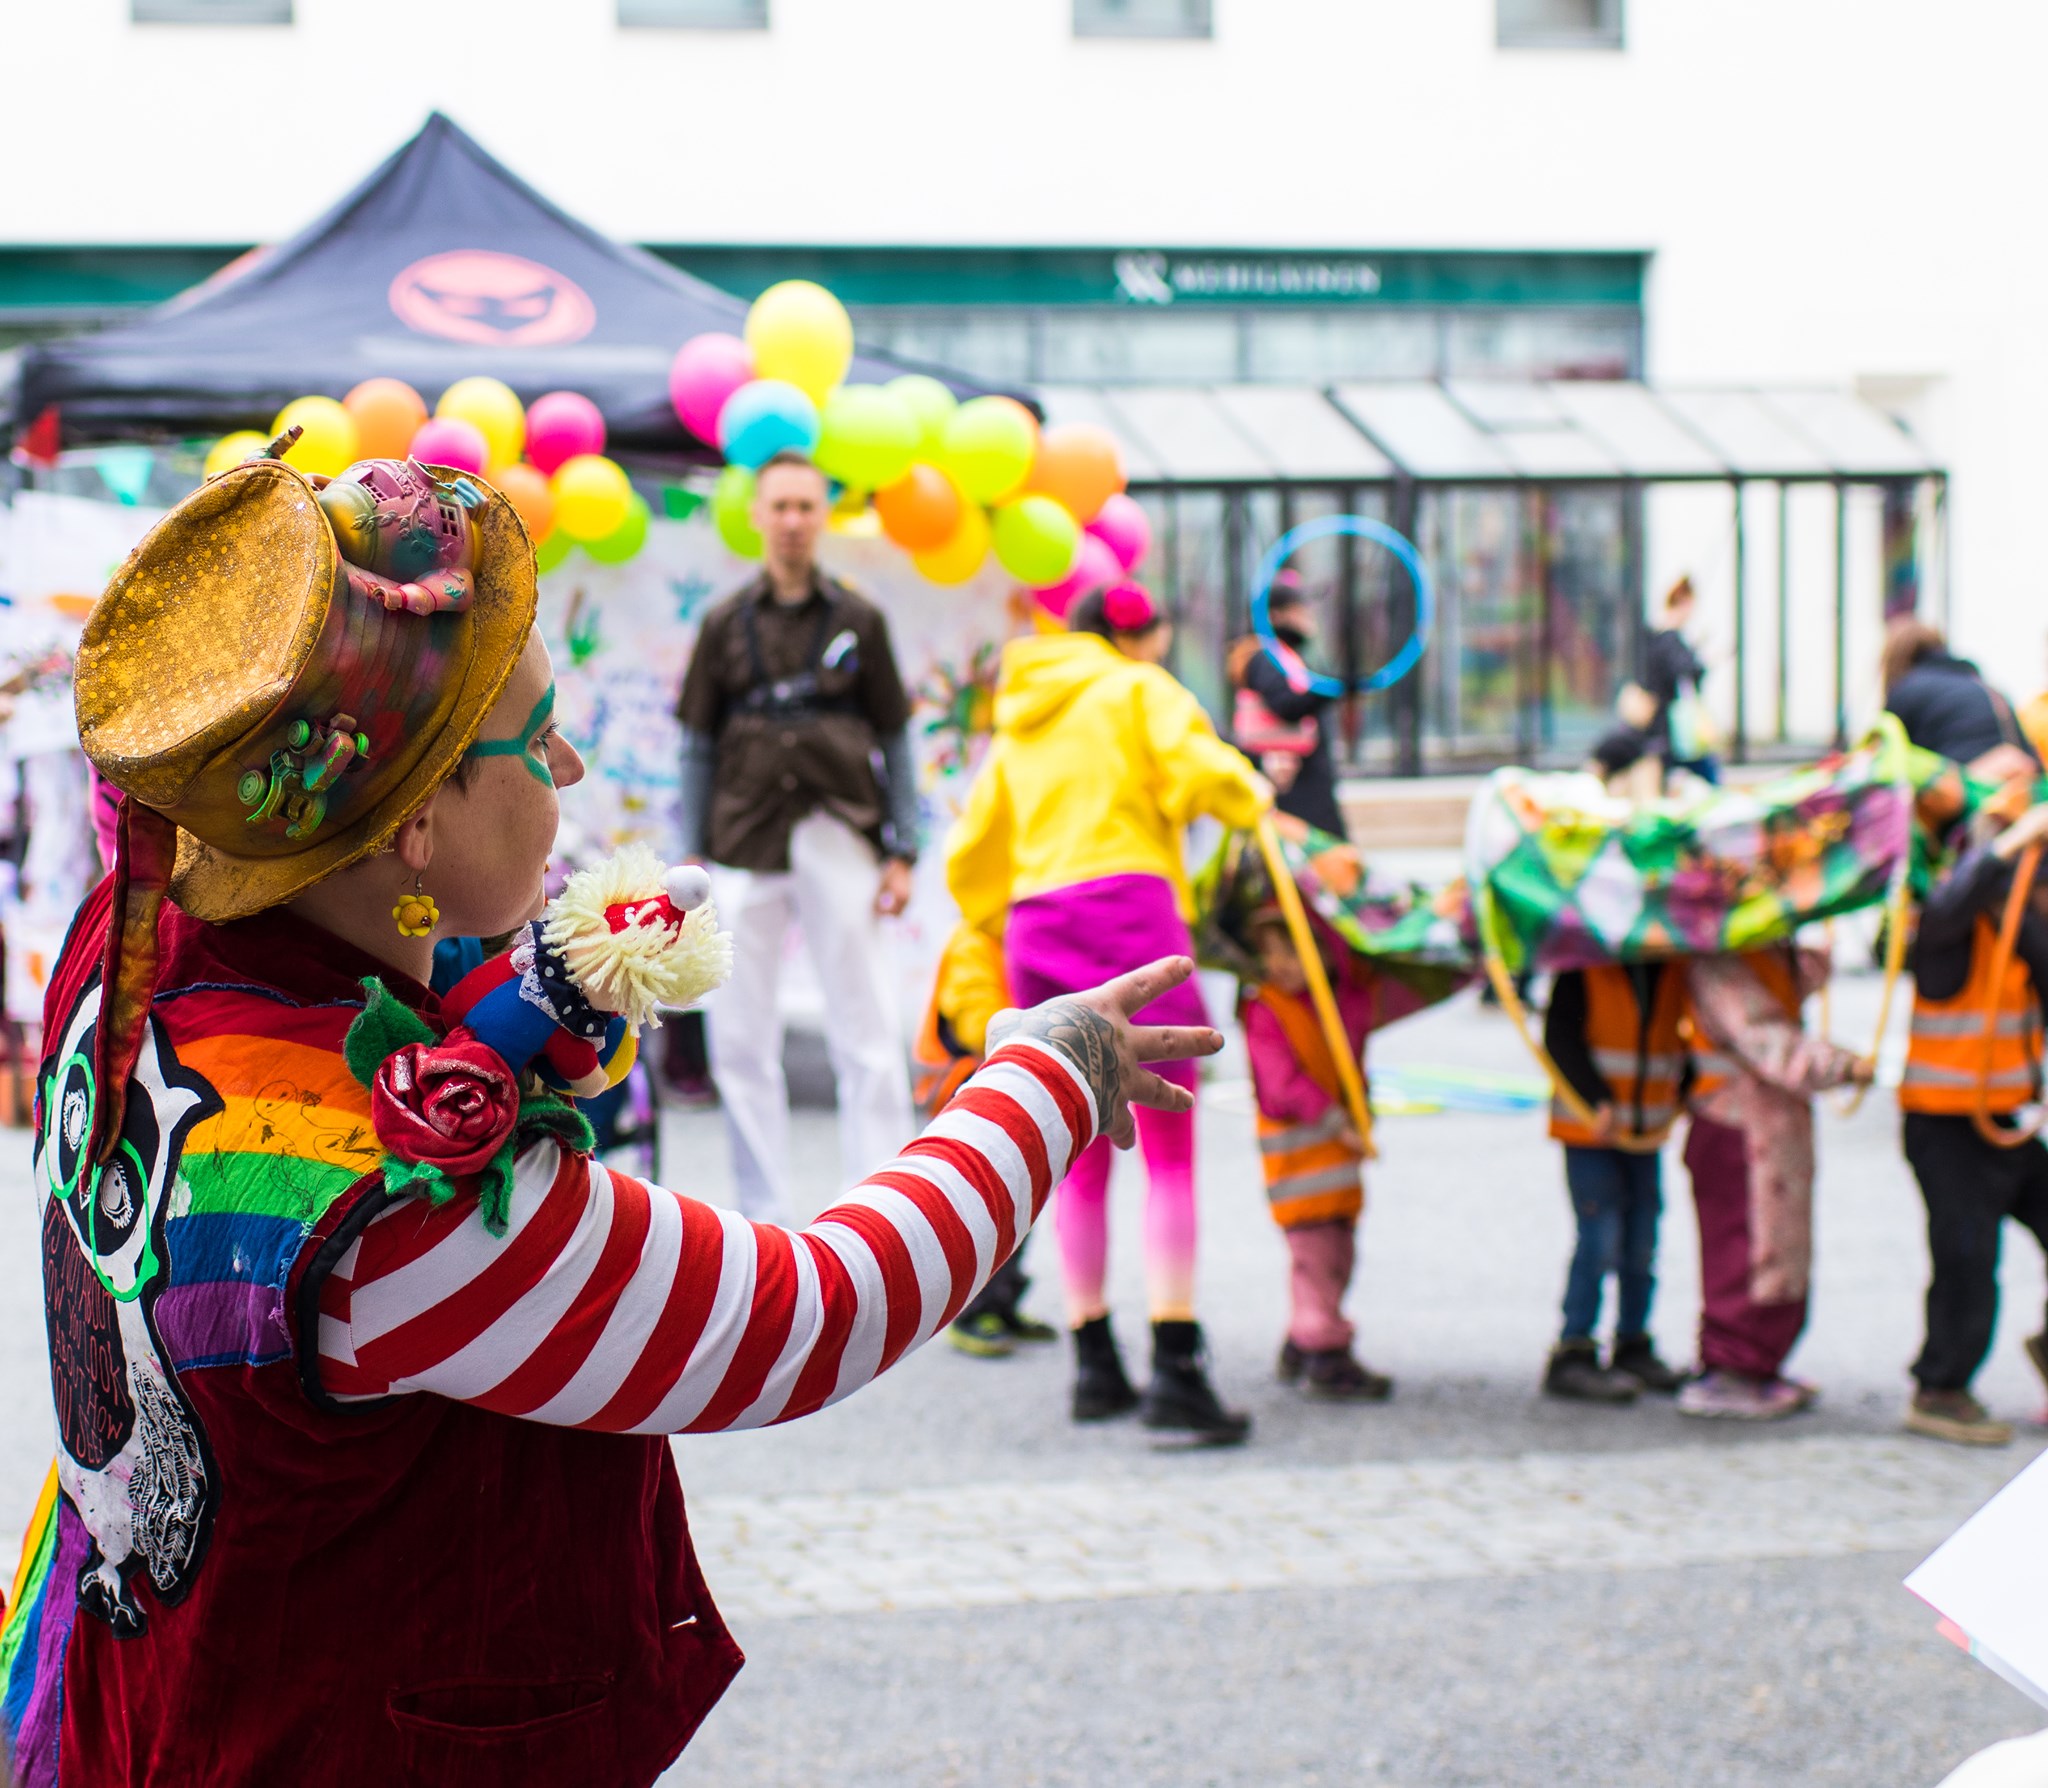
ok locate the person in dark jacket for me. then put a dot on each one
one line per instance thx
(1956, 1082)
(1673, 673)
(1944, 703)
(1285, 726)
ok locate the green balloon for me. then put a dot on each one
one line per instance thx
(625, 541)
(552, 551)
(988, 446)
(1036, 540)
(867, 437)
(732, 501)
(930, 405)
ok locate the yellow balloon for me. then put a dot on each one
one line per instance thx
(960, 558)
(800, 333)
(230, 450)
(592, 497)
(329, 444)
(493, 409)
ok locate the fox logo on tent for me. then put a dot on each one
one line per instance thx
(498, 300)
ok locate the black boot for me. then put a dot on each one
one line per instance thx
(1100, 1388)
(1575, 1372)
(1180, 1396)
(1635, 1355)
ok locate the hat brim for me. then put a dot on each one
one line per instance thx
(215, 886)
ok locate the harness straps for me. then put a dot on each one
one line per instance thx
(2001, 960)
(795, 697)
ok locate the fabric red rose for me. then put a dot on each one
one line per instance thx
(449, 1105)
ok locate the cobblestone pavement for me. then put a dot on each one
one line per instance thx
(991, 1545)
(944, 1581)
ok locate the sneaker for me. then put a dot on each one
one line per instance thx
(1101, 1389)
(983, 1336)
(1339, 1376)
(1732, 1397)
(1288, 1367)
(1575, 1372)
(1180, 1397)
(689, 1092)
(1955, 1416)
(1020, 1327)
(1634, 1355)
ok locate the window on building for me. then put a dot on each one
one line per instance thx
(1142, 18)
(1558, 24)
(211, 12)
(707, 15)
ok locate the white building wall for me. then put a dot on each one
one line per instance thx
(1832, 190)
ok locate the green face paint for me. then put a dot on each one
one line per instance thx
(529, 744)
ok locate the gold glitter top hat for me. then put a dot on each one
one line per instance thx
(284, 708)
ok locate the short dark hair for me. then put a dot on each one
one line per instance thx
(788, 456)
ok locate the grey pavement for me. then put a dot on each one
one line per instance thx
(943, 1581)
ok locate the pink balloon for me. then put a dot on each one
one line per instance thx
(706, 371)
(449, 441)
(560, 426)
(1121, 526)
(1094, 566)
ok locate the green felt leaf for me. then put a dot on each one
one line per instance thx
(542, 1114)
(385, 1025)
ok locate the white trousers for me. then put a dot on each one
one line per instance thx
(829, 889)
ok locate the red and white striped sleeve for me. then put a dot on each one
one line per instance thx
(618, 1306)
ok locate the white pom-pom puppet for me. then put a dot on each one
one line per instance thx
(624, 938)
(636, 936)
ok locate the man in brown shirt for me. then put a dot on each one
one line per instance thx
(798, 790)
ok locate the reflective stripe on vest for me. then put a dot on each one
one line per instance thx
(1640, 1055)
(1945, 1053)
(1712, 1069)
(1312, 1175)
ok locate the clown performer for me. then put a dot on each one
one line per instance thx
(363, 1395)
(1070, 846)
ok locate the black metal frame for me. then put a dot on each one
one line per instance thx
(1533, 717)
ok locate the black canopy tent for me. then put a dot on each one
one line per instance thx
(441, 264)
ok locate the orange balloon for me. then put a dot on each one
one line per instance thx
(1078, 465)
(529, 493)
(921, 510)
(388, 413)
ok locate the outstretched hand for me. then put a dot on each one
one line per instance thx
(1093, 1030)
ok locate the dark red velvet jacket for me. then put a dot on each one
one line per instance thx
(408, 1592)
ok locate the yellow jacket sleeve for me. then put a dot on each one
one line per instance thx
(1197, 772)
(978, 866)
(973, 985)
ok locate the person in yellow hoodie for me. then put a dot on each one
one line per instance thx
(1070, 849)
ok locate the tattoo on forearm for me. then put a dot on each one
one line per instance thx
(1084, 1037)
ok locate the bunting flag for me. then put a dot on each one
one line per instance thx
(1573, 877)
(1418, 941)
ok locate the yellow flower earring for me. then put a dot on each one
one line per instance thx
(416, 914)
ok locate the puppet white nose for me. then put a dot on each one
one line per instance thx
(688, 887)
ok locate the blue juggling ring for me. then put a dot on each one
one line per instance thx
(1364, 528)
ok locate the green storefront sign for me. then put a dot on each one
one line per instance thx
(1150, 277)
(53, 281)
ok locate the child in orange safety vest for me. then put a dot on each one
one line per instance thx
(1959, 1085)
(1311, 1154)
(1613, 1033)
(969, 989)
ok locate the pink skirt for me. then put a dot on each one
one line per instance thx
(1072, 939)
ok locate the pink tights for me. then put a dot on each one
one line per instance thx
(1167, 1141)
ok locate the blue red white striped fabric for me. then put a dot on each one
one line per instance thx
(618, 1306)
